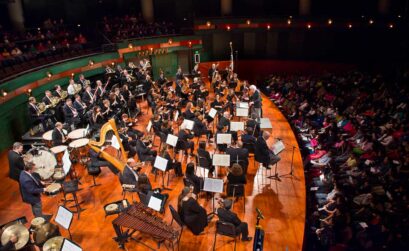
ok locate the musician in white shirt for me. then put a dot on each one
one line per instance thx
(71, 87)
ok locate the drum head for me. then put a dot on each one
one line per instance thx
(36, 222)
(44, 161)
(111, 207)
(77, 134)
(53, 188)
(79, 143)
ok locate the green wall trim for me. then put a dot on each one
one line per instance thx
(139, 42)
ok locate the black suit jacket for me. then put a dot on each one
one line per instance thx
(46, 101)
(30, 189)
(128, 177)
(238, 154)
(32, 112)
(262, 152)
(86, 98)
(16, 165)
(206, 155)
(78, 107)
(228, 216)
(68, 113)
(256, 98)
(56, 137)
(224, 122)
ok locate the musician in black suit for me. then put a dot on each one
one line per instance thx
(203, 157)
(144, 152)
(192, 214)
(35, 115)
(130, 175)
(71, 114)
(88, 96)
(31, 188)
(263, 154)
(200, 128)
(179, 74)
(226, 215)
(248, 138)
(161, 80)
(57, 91)
(97, 161)
(239, 154)
(57, 136)
(225, 121)
(184, 138)
(47, 98)
(172, 163)
(253, 123)
(211, 72)
(80, 106)
(16, 162)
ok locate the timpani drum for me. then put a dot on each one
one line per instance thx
(59, 174)
(59, 152)
(77, 134)
(53, 189)
(44, 160)
(80, 148)
(48, 137)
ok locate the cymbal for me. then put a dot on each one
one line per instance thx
(38, 221)
(20, 231)
(53, 244)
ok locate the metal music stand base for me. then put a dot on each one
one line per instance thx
(275, 176)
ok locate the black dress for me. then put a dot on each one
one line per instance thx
(194, 216)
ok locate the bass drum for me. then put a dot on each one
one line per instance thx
(44, 160)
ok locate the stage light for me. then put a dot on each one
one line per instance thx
(190, 44)
(113, 63)
(399, 16)
(170, 41)
(38, 28)
(349, 26)
(268, 27)
(90, 63)
(49, 75)
(391, 26)
(228, 27)
(78, 25)
(130, 45)
(329, 21)
(309, 26)
(290, 17)
(4, 93)
(248, 22)
(208, 23)
(72, 74)
(28, 92)
(289, 22)
(371, 21)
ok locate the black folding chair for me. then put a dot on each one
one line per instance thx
(178, 220)
(226, 229)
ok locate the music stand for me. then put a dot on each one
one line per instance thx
(277, 149)
(291, 173)
(213, 186)
(64, 218)
(155, 202)
(68, 245)
(161, 164)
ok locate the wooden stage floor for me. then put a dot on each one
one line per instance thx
(282, 203)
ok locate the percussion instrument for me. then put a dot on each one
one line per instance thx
(77, 134)
(48, 137)
(44, 232)
(59, 152)
(79, 143)
(19, 231)
(53, 244)
(53, 189)
(80, 149)
(111, 208)
(59, 174)
(37, 222)
(43, 159)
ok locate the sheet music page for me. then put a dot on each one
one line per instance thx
(242, 112)
(176, 116)
(155, 203)
(160, 163)
(243, 105)
(172, 140)
(278, 147)
(223, 138)
(212, 113)
(213, 185)
(221, 160)
(236, 126)
(188, 124)
(64, 217)
(70, 246)
(202, 172)
(148, 128)
(66, 162)
(265, 123)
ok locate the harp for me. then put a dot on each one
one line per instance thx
(118, 160)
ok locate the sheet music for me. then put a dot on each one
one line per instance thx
(213, 185)
(236, 126)
(115, 143)
(172, 140)
(176, 116)
(212, 113)
(221, 160)
(160, 163)
(265, 123)
(242, 112)
(243, 105)
(86, 130)
(188, 124)
(278, 147)
(64, 217)
(68, 245)
(66, 162)
(202, 172)
(148, 128)
(223, 138)
(155, 203)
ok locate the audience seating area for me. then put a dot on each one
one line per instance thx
(353, 133)
(131, 26)
(53, 41)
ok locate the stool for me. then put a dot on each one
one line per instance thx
(71, 187)
(93, 171)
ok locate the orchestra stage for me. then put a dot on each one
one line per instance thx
(282, 203)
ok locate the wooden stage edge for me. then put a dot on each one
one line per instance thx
(282, 203)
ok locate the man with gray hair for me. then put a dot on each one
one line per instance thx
(263, 154)
(255, 100)
(16, 162)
